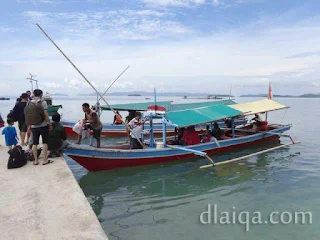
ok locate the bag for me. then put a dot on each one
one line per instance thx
(17, 158)
(77, 128)
(12, 116)
(29, 154)
(34, 114)
(1, 122)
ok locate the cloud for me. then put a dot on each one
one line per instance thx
(115, 24)
(305, 54)
(53, 85)
(174, 3)
(216, 2)
(73, 83)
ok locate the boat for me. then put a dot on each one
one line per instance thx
(113, 157)
(119, 130)
(4, 98)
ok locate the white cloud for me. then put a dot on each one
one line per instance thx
(215, 2)
(73, 83)
(53, 85)
(121, 24)
(174, 3)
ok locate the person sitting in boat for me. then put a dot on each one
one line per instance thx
(257, 122)
(190, 136)
(117, 119)
(205, 137)
(217, 132)
(57, 137)
(228, 122)
(178, 141)
(92, 121)
(136, 128)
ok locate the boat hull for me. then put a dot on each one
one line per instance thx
(105, 159)
(120, 130)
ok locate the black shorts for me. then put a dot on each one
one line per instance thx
(43, 131)
(22, 127)
(96, 133)
(136, 144)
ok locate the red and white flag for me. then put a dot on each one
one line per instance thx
(270, 92)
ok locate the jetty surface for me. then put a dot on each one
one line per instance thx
(44, 202)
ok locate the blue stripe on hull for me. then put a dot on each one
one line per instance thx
(154, 153)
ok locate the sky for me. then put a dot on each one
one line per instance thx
(199, 46)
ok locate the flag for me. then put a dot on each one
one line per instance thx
(270, 92)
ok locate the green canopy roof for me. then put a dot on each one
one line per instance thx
(143, 106)
(184, 106)
(196, 116)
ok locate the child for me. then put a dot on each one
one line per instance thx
(10, 134)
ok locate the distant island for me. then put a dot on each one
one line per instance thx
(59, 94)
(163, 94)
(308, 95)
(134, 95)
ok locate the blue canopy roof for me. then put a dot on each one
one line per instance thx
(196, 116)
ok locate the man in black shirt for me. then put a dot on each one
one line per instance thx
(18, 113)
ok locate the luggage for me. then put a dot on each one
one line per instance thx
(17, 158)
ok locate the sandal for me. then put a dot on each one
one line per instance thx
(49, 161)
(35, 163)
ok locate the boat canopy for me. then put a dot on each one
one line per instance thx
(143, 106)
(197, 116)
(261, 106)
(184, 106)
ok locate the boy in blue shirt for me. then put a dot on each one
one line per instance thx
(10, 134)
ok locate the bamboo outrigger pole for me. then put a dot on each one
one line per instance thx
(100, 95)
(249, 155)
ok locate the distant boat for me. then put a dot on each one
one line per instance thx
(4, 98)
(134, 95)
(147, 98)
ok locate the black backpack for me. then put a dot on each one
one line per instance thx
(17, 158)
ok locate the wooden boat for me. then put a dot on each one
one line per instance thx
(112, 157)
(120, 130)
(114, 130)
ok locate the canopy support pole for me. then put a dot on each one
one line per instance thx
(232, 126)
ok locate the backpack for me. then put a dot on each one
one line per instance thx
(34, 114)
(12, 116)
(17, 158)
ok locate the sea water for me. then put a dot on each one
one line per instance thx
(165, 201)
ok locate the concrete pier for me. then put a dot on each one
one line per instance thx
(43, 202)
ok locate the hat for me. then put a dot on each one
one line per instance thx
(24, 95)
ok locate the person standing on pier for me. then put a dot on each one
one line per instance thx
(18, 112)
(10, 134)
(37, 116)
(92, 121)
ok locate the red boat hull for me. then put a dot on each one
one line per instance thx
(98, 164)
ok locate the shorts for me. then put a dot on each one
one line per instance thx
(41, 131)
(136, 144)
(96, 133)
(22, 127)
